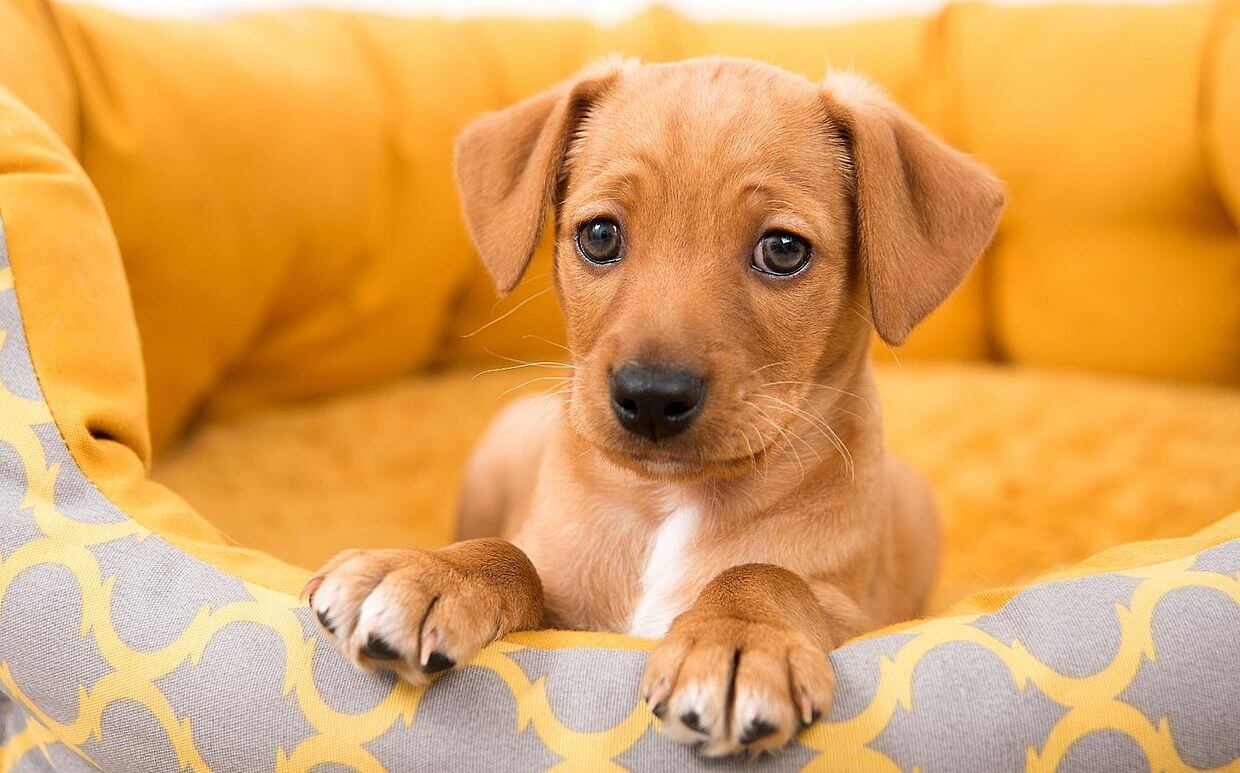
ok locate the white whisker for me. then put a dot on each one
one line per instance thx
(790, 445)
(509, 313)
(823, 427)
(540, 364)
(524, 384)
(815, 385)
(546, 340)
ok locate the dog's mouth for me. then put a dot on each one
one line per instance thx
(664, 465)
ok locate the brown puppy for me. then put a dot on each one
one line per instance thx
(717, 476)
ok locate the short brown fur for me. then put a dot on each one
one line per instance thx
(803, 530)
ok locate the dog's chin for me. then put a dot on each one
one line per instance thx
(680, 463)
(663, 466)
(670, 470)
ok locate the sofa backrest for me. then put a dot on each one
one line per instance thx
(280, 184)
(1117, 134)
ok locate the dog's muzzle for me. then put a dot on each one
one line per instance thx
(656, 403)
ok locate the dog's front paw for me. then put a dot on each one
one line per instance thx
(407, 611)
(733, 685)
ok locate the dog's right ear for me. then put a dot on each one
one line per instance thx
(508, 164)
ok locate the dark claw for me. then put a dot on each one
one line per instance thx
(378, 649)
(692, 721)
(757, 730)
(815, 715)
(324, 620)
(659, 710)
(437, 662)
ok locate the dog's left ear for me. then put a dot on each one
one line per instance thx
(924, 211)
(508, 164)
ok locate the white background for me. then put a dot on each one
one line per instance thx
(605, 11)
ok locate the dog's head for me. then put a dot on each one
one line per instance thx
(725, 233)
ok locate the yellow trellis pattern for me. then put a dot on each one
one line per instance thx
(1092, 701)
(65, 539)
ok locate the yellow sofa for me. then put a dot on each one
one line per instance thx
(243, 325)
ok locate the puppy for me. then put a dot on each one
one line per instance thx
(726, 235)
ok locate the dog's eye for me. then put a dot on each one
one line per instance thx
(599, 240)
(780, 253)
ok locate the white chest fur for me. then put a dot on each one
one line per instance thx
(662, 594)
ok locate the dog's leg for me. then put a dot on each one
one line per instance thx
(502, 472)
(745, 667)
(915, 539)
(420, 612)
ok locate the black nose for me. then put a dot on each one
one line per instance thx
(656, 402)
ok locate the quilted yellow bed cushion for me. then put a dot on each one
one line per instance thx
(220, 156)
(1034, 470)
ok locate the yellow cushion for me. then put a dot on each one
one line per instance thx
(1115, 252)
(1034, 471)
(262, 269)
(33, 67)
(81, 336)
(1220, 104)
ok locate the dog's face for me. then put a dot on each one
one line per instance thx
(717, 250)
(702, 261)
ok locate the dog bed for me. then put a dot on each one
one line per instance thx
(240, 325)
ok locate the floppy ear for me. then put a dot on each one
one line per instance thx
(924, 211)
(508, 164)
